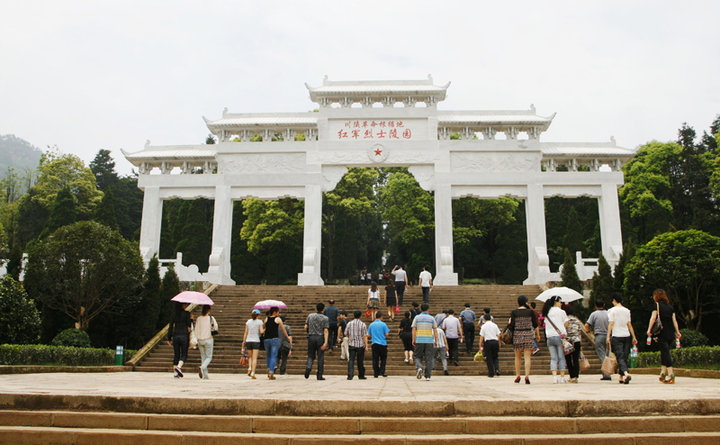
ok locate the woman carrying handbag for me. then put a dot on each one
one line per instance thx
(663, 328)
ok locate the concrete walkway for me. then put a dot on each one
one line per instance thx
(337, 388)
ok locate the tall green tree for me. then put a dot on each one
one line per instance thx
(347, 210)
(105, 211)
(408, 211)
(63, 213)
(151, 303)
(273, 230)
(103, 167)
(169, 288)
(603, 285)
(83, 270)
(59, 171)
(569, 275)
(686, 264)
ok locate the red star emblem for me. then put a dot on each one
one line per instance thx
(378, 152)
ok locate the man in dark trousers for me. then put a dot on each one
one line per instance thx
(316, 326)
(467, 317)
(332, 313)
(378, 331)
(357, 335)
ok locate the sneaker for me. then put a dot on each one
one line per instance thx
(179, 372)
(406, 360)
(563, 380)
(349, 378)
(427, 379)
(271, 376)
(555, 379)
(419, 373)
(535, 351)
(175, 375)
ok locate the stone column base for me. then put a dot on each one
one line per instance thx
(310, 279)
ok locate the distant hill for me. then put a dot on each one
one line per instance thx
(17, 153)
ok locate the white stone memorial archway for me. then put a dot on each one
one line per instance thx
(381, 124)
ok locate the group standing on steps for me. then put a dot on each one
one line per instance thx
(428, 340)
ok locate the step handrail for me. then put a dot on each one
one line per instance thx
(150, 345)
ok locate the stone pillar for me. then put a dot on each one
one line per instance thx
(150, 224)
(610, 230)
(538, 261)
(219, 261)
(444, 274)
(312, 238)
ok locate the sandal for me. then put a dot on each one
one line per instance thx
(662, 377)
(517, 380)
(671, 380)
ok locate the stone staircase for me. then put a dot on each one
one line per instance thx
(234, 303)
(70, 421)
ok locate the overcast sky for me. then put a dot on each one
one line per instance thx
(86, 75)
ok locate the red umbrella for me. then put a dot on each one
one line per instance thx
(192, 298)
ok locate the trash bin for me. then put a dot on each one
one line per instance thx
(119, 355)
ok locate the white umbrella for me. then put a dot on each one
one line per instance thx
(565, 293)
(264, 305)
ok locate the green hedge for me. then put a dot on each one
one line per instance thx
(58, 355)
(693, 357)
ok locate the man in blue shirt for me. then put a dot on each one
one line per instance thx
(424, 337)
(468, 323)
(378, 330)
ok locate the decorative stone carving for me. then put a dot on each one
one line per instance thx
(263, 163)
(494, 162)
(424, 175)
(333, 175)
(377, 153)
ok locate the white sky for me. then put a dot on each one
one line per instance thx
(86, 75)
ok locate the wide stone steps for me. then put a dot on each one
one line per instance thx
(75, 428)
(234, 303)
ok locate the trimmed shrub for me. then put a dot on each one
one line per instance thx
(694, 357)
(58, 355)
(72, 337)
(691, 337)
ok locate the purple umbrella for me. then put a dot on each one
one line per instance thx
(192, 298)
(267, 304)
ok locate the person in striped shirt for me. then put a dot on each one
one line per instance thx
(357, 334)
(424, 340)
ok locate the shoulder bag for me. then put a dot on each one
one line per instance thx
(213, 326)
(609, 364)
(507, 336)
(568, 347)
(657, 326)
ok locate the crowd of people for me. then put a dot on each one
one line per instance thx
(431, 340)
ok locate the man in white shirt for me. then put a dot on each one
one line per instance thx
(621, 335)
(453, 330)
(425, 280)
(400, 282)
(489, 336)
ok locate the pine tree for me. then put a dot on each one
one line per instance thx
(151, 302)
(602, 283)
(170, 287)
(105, 211)
(569, 275)
(103, 167)
(619, 274)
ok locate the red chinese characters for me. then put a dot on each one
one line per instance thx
(380, 129)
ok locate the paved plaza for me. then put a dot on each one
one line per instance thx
(338, 388)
